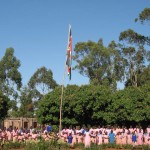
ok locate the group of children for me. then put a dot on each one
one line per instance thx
(99, 135)
(132, 136)
(21, 135)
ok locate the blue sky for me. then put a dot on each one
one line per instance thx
(38, 30)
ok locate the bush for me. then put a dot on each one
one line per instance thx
(55, 128)
(10, 145)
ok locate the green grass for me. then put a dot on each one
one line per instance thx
(54, 145)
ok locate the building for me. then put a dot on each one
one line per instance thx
(21, 122)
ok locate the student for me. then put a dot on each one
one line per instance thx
(119, 138)
(87, 139)
(106, 138)
(140, 137)
(70, 138)
(65, 134)
(146, 137)
(100, 138)
(129, 137)
(74, 141)
(111, 137)
(49, 128)
(134, 138)
(124, 137)
(79, 138)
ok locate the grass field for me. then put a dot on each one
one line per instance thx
(42, 145)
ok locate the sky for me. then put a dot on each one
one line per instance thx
(38, 30)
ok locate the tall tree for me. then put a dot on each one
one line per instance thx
(134, 62)
(40, 84)
(99, 63)
(10, 77)
(13, 111)
(144, 16)
(26, 108)
(134, 52)
(4, 106)
(42, 80)
(144, 76)
(133, 37)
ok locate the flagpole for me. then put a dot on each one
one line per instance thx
(62, 92)
(61, 99)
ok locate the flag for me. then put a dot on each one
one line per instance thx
(69, 53)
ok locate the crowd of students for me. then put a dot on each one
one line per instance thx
(99, 135)
(21, 135)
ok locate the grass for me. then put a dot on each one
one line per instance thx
(54, 145)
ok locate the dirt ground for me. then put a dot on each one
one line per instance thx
(77, 149)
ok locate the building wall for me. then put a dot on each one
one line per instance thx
(20, 122)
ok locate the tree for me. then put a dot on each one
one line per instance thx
(42, 80)
(10, 77)
(144, 76)
(26, 108)
(4, 106)
(100, 64)
(96, 105)
(144, 16)
(135, 55)
(48, 108)
(134, 62)
(133, 37)
(84, 105)
(131, 106)
(13, 111)
(39, 85)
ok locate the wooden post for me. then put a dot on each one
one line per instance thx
(61, 101)
(62, 89)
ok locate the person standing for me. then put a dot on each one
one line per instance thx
(100, 138)
(129, 137)
(106, 138)
(124, 137)
(134, 138)
(87, 139)
(111, 137)
(70, 138)
(49, 128)
(140, 137)
(146, 137)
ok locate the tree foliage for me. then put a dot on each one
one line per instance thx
(10, 77)
(99, 63)
(144, 76)
(26, 108)
(130, 106)
(4, 106)
(42, 80)
(134, 52)
(40, 83)
(48, 109)
(144, 16)
(134, 64)
(96, 105)
(134, 38)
